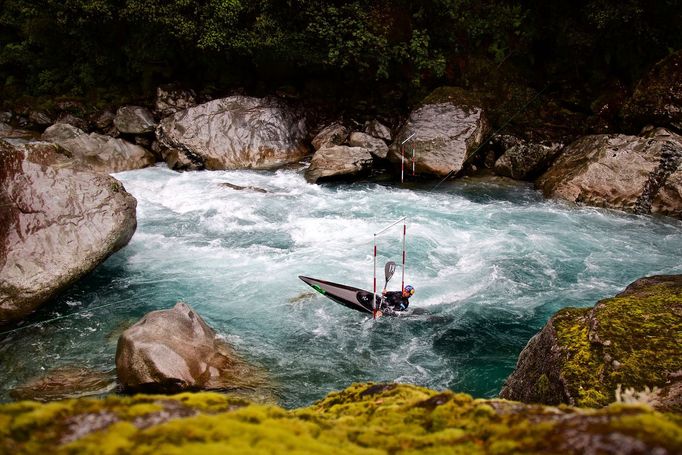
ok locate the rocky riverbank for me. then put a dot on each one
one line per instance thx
(364, 418)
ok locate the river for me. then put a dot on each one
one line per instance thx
(491, 261)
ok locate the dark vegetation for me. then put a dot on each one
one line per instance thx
(368, 56)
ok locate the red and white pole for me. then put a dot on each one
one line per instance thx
(402, 283)
(374, 302)
(402, 164)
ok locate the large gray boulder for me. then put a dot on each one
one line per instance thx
(449, 127)
(98, 152)
(134, 120)
(640, 174)
(339, 161)
(238, 132)
(173, 350)
(373, 145)
(58, 221)
(657, 98)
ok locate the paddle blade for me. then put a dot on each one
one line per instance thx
(389, 270)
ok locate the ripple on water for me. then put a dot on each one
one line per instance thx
(490, 261)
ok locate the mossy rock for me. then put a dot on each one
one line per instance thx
(584, 355)
(363, 419)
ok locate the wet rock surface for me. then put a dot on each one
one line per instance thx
(362, 419)
(584, 355)
(174, 350)
(98, 152)
(58, 221)
(640, 174)
(448, 128)
(66, 382)
(338, 161)
(237, 132)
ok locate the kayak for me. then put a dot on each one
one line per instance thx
(348, 296)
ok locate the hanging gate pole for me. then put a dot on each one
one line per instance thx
(374, 302)
(403, 219)
(402, 158)
(402, 282)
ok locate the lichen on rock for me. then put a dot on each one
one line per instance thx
(582, 355)
(362, 419)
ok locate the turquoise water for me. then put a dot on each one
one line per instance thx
(491, 261)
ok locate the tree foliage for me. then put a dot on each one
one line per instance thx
(75, 46)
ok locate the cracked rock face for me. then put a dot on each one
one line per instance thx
(237, 132)
(134, 120)
(338, 162)
(175, 350)
(58, 221)
(640, 174)
(446, 136)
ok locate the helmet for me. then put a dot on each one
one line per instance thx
(408, 290)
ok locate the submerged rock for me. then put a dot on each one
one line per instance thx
(449, 127)
(58, 221)
(363, 419)
(66, 382)
(334, 134)
(238, 132)
(98, 152)
(338, 161)
(240, 188)
(641, 174)
(583, 355)
(175, 350)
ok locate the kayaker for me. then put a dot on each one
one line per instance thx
(397, 300)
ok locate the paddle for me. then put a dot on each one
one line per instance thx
(389, 270)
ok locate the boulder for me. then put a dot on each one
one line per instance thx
(526, 160)
(232, 186)
(448, 128)
(171, 99)
(174, 350)
(373, 145)
(58, 221)
(72, 120)
(585, 356)
(65, 382)
(639, 174)
(39, 118)
(334, 134)
(376, 129)
(657, 97)
(362, 419)
(104, 121)
(134, 120)
(14, 135)
(238, 132)
(338, 161)
(98, 152)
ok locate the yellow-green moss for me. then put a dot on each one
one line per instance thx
(363, 419)
(636, 342)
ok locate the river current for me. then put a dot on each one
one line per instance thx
(491, 261)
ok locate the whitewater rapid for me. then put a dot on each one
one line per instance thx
(491, 261)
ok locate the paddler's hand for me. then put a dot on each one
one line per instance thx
(379, 314)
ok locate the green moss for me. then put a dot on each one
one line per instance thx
(363, 419)
(636, 342)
